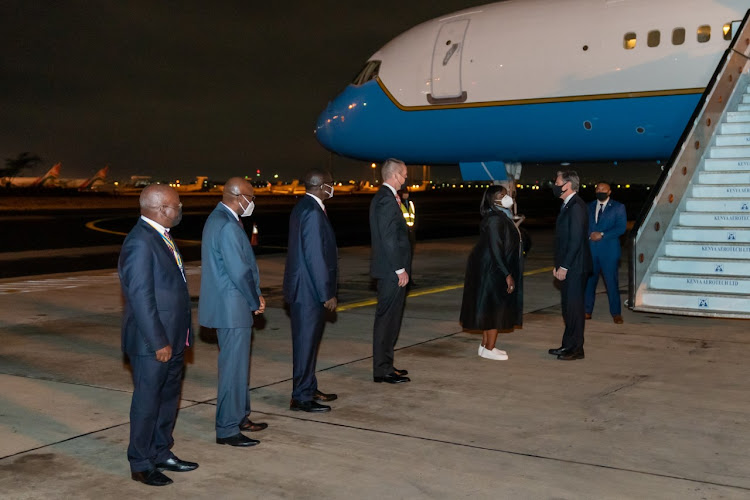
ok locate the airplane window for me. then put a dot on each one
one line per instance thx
(629, 42)
(367, 73)
(704, 33)
(654, 37)
(728, 29)
(678, 36)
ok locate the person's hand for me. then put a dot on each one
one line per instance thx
(262, 307)
(561, 273)
(511, 284)
(596, 236)
(330, 304)
(403, 279)
(164, 354)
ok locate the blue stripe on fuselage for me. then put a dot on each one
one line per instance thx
(362, 122)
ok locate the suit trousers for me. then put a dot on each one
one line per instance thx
(388, 314)
(605, 263)
(308, 322)
(153, 409)
(572, 290)
(233, 397)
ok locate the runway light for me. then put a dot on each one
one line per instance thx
(275, 176)
(618, 186)
(627, 186)
(373, 165)
(518, 185)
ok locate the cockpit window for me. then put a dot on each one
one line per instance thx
(369, 72)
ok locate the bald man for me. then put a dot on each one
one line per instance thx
(156, 329)
(230, 297)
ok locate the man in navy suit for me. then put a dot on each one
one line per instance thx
(230, 296)
(156, 328)
(607, 222)
(572, 263)
(310, 287)
(390, 265)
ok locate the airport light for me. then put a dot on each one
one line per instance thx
(275, 176)
(627, 186)
(373, 165)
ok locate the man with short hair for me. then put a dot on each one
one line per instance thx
(572, 263)
(156, 329)
(230, 296)
(390, 265)
(310, 287)
(607, 222)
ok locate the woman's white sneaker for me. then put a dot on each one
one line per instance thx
(488, 354)
(481, 349)
(500, 352)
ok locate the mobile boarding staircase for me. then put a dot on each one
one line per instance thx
(690, 247)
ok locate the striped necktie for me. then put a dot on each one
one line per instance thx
(177, 257)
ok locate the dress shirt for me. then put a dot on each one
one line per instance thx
(231, 211)
(320, 202)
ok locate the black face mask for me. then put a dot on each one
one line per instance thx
(602, 196)
(557, 190)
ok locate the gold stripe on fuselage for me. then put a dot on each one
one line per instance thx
(542, 100)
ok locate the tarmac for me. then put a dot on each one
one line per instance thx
(658, 409)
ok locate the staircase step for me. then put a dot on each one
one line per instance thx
(713, 164)
(717, 205)
(705, 267)
(713, 234)
(734, 128)
(695, 303)
(724, 177)
(738, 116)
(700, 284)
(743, 107)
(746, 98)
(733, 139)
(714, 219)
(729, 151)
(720, 191)
(707, 250)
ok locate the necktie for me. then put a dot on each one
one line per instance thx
(599, 213)
(177, 257)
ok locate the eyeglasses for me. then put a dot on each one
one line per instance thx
(246, 196)
(178, 207)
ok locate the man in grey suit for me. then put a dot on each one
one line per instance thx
(230, 295)
(390, 265)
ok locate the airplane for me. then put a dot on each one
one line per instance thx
(200, 184)
(46, 180)
(496, 85)
(95, 180)
(293, 188)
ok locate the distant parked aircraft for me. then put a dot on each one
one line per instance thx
(200, 184)
(97, 179)
(46, 180)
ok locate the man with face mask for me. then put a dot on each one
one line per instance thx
(230, 296)
(572, 263)
(607, 222)
(310, 287)
(156, 329)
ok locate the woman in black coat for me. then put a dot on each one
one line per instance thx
(493, 286)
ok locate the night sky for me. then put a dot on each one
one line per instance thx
(179, 89)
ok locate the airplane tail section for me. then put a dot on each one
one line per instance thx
(690, 248)
(50, 177)
(98, 178)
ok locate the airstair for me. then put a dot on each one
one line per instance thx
(690, 248)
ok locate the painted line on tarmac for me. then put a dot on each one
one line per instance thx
(94, 227)
(429, 291)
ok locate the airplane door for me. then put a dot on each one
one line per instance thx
(446, 62)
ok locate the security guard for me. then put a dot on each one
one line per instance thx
(407, 208)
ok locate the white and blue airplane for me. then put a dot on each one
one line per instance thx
(534, 81)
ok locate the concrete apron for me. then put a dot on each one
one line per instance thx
(658, 409)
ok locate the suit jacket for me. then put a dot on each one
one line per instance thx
(571, 237)
(612, 222)
(312, 256)
(230, 285)
(157, 302)
(391, 249)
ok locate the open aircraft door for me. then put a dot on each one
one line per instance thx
(446, 64)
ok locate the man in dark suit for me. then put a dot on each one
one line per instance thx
(310, 287)
(390, 266)
(156, 328)
(607, 222)
(572, 263)
(230, 296)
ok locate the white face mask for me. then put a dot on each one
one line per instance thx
(329, 193)
(247, 212)
(507, 201)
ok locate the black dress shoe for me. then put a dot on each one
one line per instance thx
(558, 351)
(392, 378)
(308, 406)
(174, 464)
(151, 478)
(238, 439)
(321, 396)
(247, 425)
(570, 356)
(400, 373)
